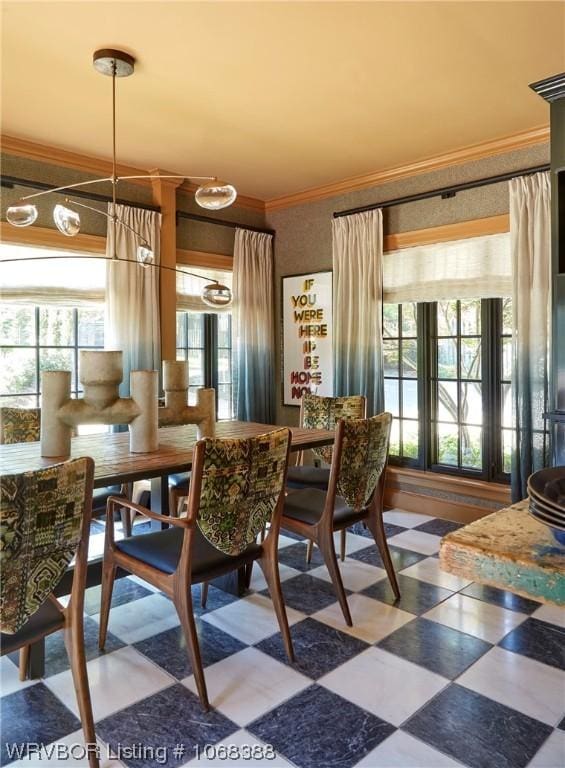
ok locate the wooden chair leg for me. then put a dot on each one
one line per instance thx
(183, 604)
(376, 525)
(108, 576)
(24, 662)
(74, 642)
(268, 563)
(127, 521)
(203, 593)
(173, 502)
(326, 544)
(309, 550)
(343, 534)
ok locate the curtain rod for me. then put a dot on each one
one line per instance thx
(444, 192)
(222, 222)
(13, 181)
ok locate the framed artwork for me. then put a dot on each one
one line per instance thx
(307, 353)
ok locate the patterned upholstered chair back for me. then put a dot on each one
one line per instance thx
(42, 521)
(324, 412)
(19, 425)
(242, 482)
(364, 454)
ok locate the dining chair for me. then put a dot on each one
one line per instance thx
(23, 425)
(317, 412)
(237, 486)
(45, 522)
(355, 494)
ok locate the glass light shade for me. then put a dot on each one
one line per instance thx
(66, 221)
(215, 194)
(145, 255)
(21, 215)
(216, 295)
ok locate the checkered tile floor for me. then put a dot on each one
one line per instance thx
(452, 674)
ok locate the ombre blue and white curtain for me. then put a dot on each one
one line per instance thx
(131, 321)
(357, 248)
(253, 327)
(530, 243)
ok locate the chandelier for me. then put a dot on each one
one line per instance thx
(212, 194)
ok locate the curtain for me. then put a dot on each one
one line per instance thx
(357, 245)
(253, 326)
(477, 267)
(531, 299)
(132, 294)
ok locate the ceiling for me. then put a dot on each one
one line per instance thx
(279, 97)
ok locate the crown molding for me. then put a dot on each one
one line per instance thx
(45, 153)
(468, 154)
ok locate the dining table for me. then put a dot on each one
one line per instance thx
(115, 464)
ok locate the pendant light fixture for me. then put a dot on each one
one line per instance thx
(213, 194)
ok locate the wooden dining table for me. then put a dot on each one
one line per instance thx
(115, 464)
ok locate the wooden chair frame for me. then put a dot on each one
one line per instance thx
(177, 585)
(321, 533)
(73, 626)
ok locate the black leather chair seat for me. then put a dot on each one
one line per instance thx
(307, 506)
(101, 495)
(162, 551)
(45, 620)
(308, 477)
(180, 480)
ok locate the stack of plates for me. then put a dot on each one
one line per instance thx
(546, 490)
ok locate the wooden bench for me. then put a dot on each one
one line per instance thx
(510, 550)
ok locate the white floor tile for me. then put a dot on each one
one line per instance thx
(258, 582)
(475, 617)
(417, 541)
(248, 684)
(524, 684)
(404, 751)
(355, 575)
(250, 619)
(10, 677)
(96, 545)
(372, 620)
(554, 614)
(429, 570)
(405, 519)
(353, 542)
(116, 680)
(286, 541)
(552, 754)
(384, 684)
(66, 753)
(144, 583)
(142, 618)
(242, 748)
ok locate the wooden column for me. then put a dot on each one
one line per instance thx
(165, 196)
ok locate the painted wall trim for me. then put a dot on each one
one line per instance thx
(500, 146)
(460, 230)
(204, 260)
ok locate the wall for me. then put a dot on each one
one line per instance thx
(303, 233)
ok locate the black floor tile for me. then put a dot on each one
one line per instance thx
(538, 640)
(217, 598)
(318, 729)
(562, 725)
(416, 596)
(33, 716)
(295, 557)
(435, 647)
(401, 558)
(390, 530)
(306, 593)
(318, 648)
(501, 598)
(170, 717)
(168, 649)
(438, 527)
(125, 591)
(478, 731)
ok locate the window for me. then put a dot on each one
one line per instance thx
(447, 368)
(204, 339)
